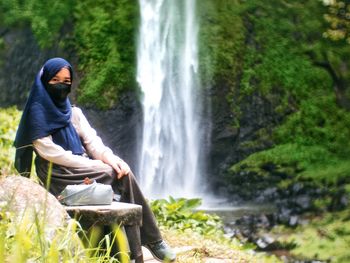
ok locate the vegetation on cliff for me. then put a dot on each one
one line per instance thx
(287, 55)
(105, 39)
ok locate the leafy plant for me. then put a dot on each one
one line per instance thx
(181, 214)
(44, 17)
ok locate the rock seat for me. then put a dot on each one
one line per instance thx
(118, 213)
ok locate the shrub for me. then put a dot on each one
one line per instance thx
(181, 214)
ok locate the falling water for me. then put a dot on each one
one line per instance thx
(167, 75)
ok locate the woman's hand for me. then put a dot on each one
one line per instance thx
(121, 167)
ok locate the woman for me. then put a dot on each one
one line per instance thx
(60, 133)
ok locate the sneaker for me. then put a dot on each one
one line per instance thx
(161, 251)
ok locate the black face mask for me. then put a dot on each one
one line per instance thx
(59, 91)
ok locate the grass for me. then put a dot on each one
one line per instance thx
(9, 119)
(200, 233)
(24, 240)
(200, 248)
(326, 238)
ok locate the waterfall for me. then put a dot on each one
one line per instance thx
(167, 74)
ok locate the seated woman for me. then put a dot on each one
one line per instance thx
(60, 133)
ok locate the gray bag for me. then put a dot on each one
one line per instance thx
(87, 194)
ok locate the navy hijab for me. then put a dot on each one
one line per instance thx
(42, 117)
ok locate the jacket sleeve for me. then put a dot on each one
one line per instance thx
(91, 141)
(51, 151)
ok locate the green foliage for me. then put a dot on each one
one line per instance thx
(9, 119)
(284, 48)
(221, 40)
(24, 240)
(338, 17)
(319, 121)
(181, 214)
(303, 162)
(104, 36)
(44, 17)
(314, 140)
(322, 124)
(280, 34)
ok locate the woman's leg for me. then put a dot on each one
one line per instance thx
(131, 193)
(126, 186)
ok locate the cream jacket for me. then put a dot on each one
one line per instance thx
(92, 143)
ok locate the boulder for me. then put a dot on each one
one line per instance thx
(23, 197)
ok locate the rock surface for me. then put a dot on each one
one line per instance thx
(116, 213)
(20, 60)
(120, 128)
(24, 197)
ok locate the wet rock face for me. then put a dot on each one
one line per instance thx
(120, 128)
(20, 60)
(255, 119)
(294, 198)
(18, 66)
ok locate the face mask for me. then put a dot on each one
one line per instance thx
(59, 91)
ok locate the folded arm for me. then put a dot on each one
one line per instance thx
(52, 152)
(94, 145)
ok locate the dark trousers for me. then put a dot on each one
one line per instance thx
(127, 187)
(149, 232)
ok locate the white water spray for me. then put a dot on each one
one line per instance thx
(167, 75)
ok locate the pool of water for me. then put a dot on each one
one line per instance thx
(230, 212)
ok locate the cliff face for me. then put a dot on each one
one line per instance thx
(120, 128)
(278, 91)
(21, 58)
(232, 144)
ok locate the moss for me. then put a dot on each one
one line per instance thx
(44, 17)
(105, 41)
(221, 40)
(276, 60)
(284, 43)
(325, 238)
